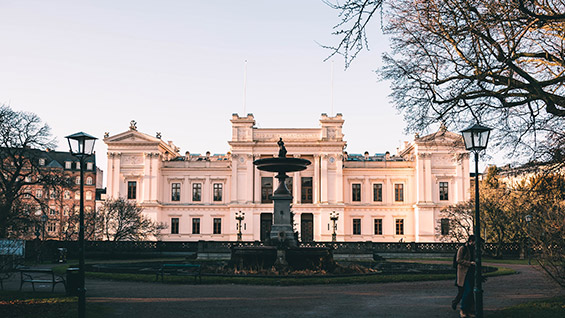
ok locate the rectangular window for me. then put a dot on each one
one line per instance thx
(195, 225)
(68, 165)
(356, 226)
(175, 192)
(306, 190)
(399, 226)
(132, 190)
(51, 226)
(356, 192)
(174, 225)
(444, 226)
(217, 226)
(196, 191)
(52, 211)
(378, 226)
(218, 191)
(78, 165)
(266, 190)
(89, 166)
(443, 191)
(38, 193)
(398, 192)
(378, 192)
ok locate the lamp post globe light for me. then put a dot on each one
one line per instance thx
(239, 216)
(476, 140)
(81, 146)
(334, 216)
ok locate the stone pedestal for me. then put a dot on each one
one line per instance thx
(282, 233)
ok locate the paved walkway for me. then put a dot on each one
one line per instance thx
(413, 299)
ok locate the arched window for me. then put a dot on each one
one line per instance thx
(89, 181)
(67, 194)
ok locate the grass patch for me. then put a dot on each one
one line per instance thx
(547, 308)
(16, 304)
(288, 281)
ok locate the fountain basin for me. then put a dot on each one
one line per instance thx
(282, 165)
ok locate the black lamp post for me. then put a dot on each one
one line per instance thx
(334, 216)
(239, 216)
(528, 220)
(81, 146)
(476, 139)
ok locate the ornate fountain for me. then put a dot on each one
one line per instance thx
(282, 234)
(289, 256)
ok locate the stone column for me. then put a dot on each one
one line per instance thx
(339, 179)
(116, 177)
(110, 172)
(324, 179)
(234, 183)
(316, 180)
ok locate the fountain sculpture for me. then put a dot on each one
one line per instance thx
(282, 241)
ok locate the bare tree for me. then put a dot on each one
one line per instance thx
(460, 222)
(22, 134)
(122, 220)
(499, 62)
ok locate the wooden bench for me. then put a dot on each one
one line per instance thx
(40, 276)
(180, 270)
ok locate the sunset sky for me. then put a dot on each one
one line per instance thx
(177, 67)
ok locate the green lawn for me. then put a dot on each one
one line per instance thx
(16, 304)
(547, 308)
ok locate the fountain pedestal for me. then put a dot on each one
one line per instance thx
(282, 232)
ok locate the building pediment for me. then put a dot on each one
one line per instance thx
(130, 137)
(446, 137)
(136, 139)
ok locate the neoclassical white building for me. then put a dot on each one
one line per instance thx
(380, 197)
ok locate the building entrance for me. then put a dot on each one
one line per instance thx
(266, 223)
(307, 227)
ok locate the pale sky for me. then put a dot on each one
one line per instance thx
(177, 67)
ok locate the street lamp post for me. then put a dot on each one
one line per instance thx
(81, 146)
(528, 220)
(334, 216)
(239, 216)
(476, 139)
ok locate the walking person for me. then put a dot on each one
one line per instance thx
(465, 280)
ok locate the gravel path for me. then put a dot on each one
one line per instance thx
(410, 299)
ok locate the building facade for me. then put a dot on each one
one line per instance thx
(380, 197)
(54, 207)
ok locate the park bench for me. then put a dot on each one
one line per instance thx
(179, 270)
(3, 276)
(40, 276)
